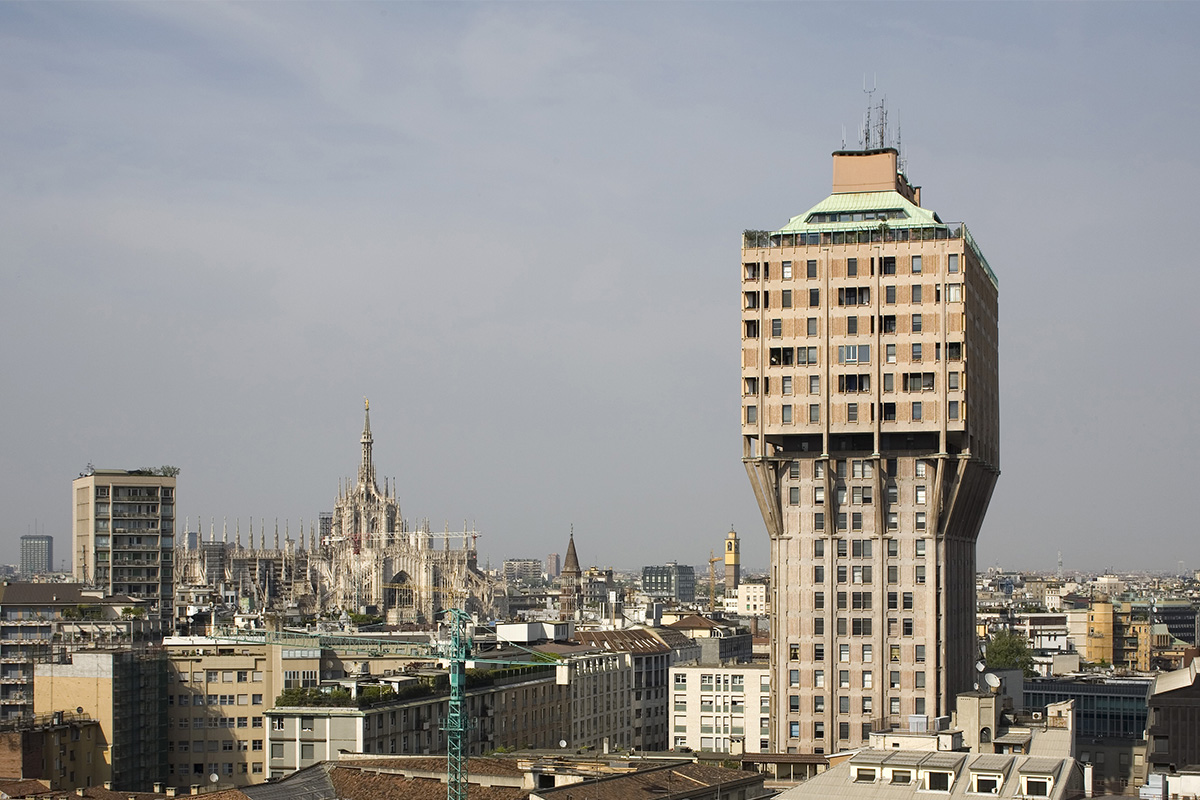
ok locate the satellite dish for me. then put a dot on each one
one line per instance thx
(214, 777)
(993, 681)
(980, 666)
(562, 743)
(78, 709)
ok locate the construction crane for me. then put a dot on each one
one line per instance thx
(456, 651)
(712, 580)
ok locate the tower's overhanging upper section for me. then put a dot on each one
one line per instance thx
(869, 194)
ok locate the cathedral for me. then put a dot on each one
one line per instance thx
(366, 559)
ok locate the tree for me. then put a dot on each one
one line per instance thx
(1009, 650)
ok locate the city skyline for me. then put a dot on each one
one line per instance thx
(511, 228)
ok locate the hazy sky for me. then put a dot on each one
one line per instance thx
(516, 229)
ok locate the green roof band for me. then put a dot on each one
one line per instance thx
(860, 204)
(911, 223)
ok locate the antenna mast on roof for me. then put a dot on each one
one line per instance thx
(865, 141)
(881, 124)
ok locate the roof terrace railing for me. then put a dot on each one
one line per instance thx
(869, 234)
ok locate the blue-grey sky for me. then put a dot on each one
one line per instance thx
(515, 227)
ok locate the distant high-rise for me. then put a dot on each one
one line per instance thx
(553, 566)
(124, 533)
(871, 432)
(670, 582)
(37, 555)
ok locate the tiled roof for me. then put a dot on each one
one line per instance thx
(693, 622)
(385, 779)
(476, 766)
(361, 784)
(649, 784)
(634, 640)
(22, 788)
(21, 594)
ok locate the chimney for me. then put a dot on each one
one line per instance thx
(195, 788)
(108, 785)
(158, 787)
(79, 791)
(170, 791)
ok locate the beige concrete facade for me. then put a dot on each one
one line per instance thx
(125, 692)
(870, 422)
(124, 534)
(217, 693)
(722, 709)
(63, 750)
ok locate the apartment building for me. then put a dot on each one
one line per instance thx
(63, 750)
(124, 534)
(870, 426)
(217, 693)
(652, 654)
(41, 622)
(597, 686)
(125, 691)
(513, 708)
(722, 709)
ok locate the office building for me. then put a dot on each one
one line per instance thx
(37, 555)
(124, 534)
(670, 582)
(870, 427)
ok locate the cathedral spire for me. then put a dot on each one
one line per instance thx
(366, 471)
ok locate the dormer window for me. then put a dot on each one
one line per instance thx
(986, 783)
(1035, 786)
(938, 781)
(864, 775)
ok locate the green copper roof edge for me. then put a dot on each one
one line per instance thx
(970, 240)
(861, 201)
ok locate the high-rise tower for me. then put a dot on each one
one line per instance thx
(870, 426)
(37, 555)
(124, 533)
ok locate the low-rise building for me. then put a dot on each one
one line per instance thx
(900, 773)
(62, 750)
(509, 708)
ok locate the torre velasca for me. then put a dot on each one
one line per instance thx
(871, 430)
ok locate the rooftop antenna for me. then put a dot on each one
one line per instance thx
(870, 93)
(881, 124)
(903, 162)
(1060, 567)
(843, 137)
